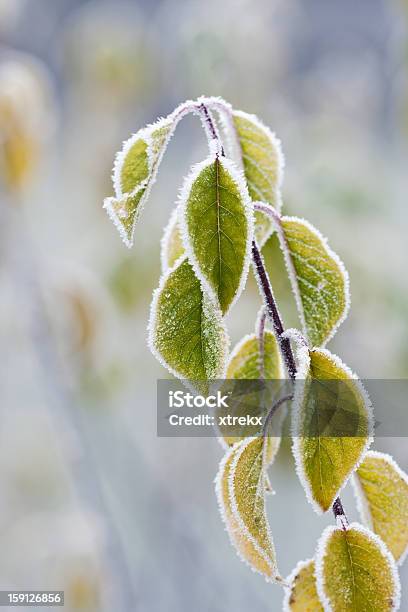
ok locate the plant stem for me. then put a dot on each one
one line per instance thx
(276, 405)
(210, 124)
(272, 310)
(339, 513)
(267, 294)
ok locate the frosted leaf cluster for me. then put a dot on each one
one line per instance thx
(227, 209)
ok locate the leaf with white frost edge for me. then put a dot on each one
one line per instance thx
(240, 489)
(134, 173)
(356, 571)
(186, 331)
(262, 158)
(245, 359)
(171, 243)
(217, 227)
(318, 277)
(330, 397)
(263, 163)
(263, 228)
(301, 594)
(381, 489)
(245, 364)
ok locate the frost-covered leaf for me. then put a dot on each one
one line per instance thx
(262, 158)
(186, 330)
(247, 363)
(134, 173)
(263, 163)
(381, 488)
(318, 277)
(356, 571)
(217, 222)
(172, 243)
(331, 425)
(245, 359)
(240, 488)
(301, 595)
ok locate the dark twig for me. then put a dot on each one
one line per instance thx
(276, 405)
(272, 310)
(339, 513)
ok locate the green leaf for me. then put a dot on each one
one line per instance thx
(301, 596)
(240, 488)
(186, 330)
(318, 277)
(263, 163)
(134, 173)
(331, 425)
(172, 243)
(217, 220)
(245, 364)
(381, 488)
(245, 359)
(355, 571)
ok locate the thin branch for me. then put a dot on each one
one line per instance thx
(339, 514)
(270, 303)
(267, 210)
(260, 334)
(272, 310)
(274, 408)
(209, 121)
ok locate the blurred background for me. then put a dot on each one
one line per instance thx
(92, 501)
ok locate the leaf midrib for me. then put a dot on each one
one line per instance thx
(352, 564)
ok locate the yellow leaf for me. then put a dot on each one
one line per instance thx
(240, 488)
(245, 364)
(355, 571)
(331, 425)
(134, 173)
(262, 158)
(301, 595)
(381, 488)
(262, 163)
